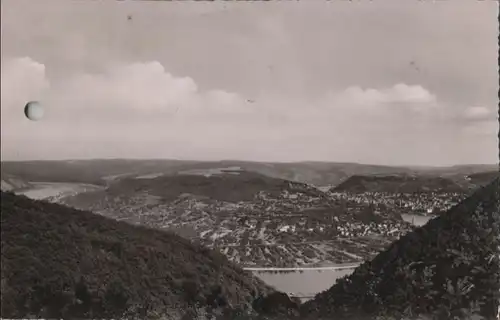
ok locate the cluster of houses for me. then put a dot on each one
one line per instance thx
(431, 203)
(285, 229)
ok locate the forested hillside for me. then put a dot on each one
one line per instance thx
(447, 269)
(59, 262)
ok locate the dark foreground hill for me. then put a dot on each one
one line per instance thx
(397, 184)
(482, 178)
(59, 262)
(447, 269)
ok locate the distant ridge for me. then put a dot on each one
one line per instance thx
(317, 173)
(447, 269)
(397, 184)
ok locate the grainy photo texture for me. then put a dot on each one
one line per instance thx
(226, 160)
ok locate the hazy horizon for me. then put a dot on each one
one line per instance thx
(411, 84)
(261, 161)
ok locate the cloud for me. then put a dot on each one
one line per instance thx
(142, 110)
(399, 99)
(399, 93)
(480, 114)
(138, 102)
(136, 91)
(480, 121)
(22, 79)
(139, 85)
(145, 87)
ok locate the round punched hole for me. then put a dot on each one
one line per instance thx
(33, 111)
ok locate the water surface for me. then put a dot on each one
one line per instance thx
(303, 284)
(416, 219)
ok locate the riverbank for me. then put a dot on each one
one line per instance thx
(344, 266)
(54, 191)
(416, 220)
(305, 283)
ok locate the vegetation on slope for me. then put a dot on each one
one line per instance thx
(244, 186)
(482, 178)
(447, 269)
(397, 184)
(59, 262)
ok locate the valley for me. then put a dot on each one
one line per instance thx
(281, 224)
(295, 237)
(258, 221)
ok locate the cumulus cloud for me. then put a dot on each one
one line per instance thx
(480, 113)
(480, 121)
(145, 87)
(22, 79)
(142, 110)
(131, 92)
(399, 93)
(148, 88)
(385, 112)
(138, 102)
(399, 98)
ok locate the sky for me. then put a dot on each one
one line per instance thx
(379, 82)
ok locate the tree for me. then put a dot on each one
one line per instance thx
(83, 298)
(115, 297)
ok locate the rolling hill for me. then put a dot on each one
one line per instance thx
(101, 171)
(231, 186)
(398, 184)
(59, 262)
(447, 269)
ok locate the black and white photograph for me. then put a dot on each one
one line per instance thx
(247, 160)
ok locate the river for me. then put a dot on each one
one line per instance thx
(416, 219)
(303, 284)
(55, 190)
(310, 282)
